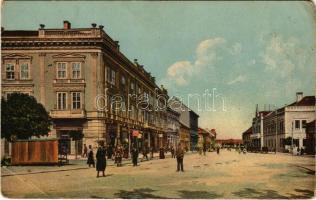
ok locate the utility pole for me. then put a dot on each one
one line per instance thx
(292, 140)
(276, 130)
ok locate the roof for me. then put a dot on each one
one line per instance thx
(248, 131)
(234, 141)
(173, 111)
(305, 101)
(16, 33)
(181, 124)
(264, 113)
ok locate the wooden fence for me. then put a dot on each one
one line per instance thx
(34, 152)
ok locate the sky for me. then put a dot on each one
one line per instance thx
(243, 53)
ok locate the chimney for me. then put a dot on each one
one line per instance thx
(299, 96)
(94, 25)
(117, 45)
(67, 25)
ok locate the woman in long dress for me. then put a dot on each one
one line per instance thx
(90, 160)
(101, 159)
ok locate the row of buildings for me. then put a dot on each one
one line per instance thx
(87, 85)
(279, 130)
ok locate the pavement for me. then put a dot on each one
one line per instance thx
(227, 175)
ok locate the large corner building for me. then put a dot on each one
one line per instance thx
(75, 73)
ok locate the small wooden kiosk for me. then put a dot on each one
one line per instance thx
(31, 152)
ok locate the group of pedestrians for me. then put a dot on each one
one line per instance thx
(101, 155)
(100, 164)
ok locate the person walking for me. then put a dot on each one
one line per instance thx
(152, 152)
(134, 156)
(101, 159)
(145, 152)
(85, 151)
(180, 155)
(161, 153)
(172, 152)
(90, 160)
(217, 149)
(204, 149)
(119, 156)
(109, 151)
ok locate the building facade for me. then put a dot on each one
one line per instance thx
(246, 137)
(172, 128)
(309, 143)
(185, 136)
(257, 130)
(188, 118)
(85, 83)
(288, 122)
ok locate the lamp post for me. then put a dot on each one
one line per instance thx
(276, 130)
(292, 140)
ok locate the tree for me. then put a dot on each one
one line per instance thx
(288, 141)
(22, 117)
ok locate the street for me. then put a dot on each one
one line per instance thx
(228, 175)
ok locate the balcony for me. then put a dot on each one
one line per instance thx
(255, 136)
(63, 81)
(59, 114)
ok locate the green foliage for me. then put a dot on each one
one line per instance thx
(288, 141)
(22, 117)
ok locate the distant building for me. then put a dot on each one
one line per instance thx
(184, 136)
(194, 129)
(188, 118)
(288, 122)
(246, 137)
(309, 142)
(206, 137)
(230, 142)
(173, 127)
(257, 130)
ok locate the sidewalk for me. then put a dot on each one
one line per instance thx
(74, 164)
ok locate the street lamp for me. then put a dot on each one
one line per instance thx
(292, 140)
(276, 130)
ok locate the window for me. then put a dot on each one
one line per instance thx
(61, 100)
(139, 89)
(8, 94)
(132, 85)
(76, 100)
(303, 123)
(24, 71)
(76, 70)
(108, 74)
(112, 77)
(9, 71)
(61, 70)
(297, 124)
(123, 81)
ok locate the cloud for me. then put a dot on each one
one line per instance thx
(238, 79)
(181, 72)
(283, 56)
(236, 49)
